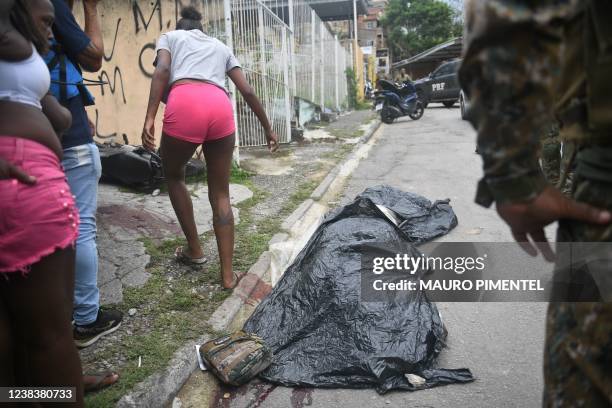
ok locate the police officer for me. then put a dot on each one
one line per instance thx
(523, 62)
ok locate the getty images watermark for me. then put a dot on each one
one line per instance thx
(494, 272)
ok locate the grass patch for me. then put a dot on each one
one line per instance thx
(302, 193)
(239, 175)
(177, 316)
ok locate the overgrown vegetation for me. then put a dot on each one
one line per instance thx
(351, 80)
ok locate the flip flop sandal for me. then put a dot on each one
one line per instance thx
(236, 280)
(183, 258)
(101, 381)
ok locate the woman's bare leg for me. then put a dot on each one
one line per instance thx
(218, 155)
(40, 310)
(175, 154)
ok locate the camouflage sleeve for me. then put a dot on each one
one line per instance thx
(511, 60)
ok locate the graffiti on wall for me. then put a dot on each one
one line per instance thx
(128, 63)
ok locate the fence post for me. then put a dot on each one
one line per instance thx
(227, 14)
(322, 65)
(262, 55)
(336, 65)
(292, 45)
(312, 60)
(284, 55)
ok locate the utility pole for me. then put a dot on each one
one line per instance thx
(355, 21)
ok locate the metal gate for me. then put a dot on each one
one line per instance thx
(261, 44)
(286, 51)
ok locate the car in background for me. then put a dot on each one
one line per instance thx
(442, 85)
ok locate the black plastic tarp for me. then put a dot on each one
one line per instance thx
(321, 332)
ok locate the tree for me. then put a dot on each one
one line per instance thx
(416, 25)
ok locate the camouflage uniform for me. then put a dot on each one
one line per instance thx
(556, 158)
(551, 153)
(525, 61)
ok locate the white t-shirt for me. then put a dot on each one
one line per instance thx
(197, 56)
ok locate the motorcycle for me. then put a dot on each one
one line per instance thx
(394, 101)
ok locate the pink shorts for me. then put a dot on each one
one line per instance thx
(198, 113)
(35, 220)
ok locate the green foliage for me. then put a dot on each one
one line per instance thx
(239, 175)
(417, 25)
(351, 80)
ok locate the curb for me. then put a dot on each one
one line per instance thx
(370, 132)
(165, 384)
(223, 316)
(296, 215)
(160, 388)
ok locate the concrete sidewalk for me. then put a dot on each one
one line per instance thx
(168, 307)
(125, 219)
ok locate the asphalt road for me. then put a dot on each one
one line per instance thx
(501, 343)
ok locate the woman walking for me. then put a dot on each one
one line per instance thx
(199, 112)
(38, 222)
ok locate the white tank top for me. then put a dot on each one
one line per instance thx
(26, 81)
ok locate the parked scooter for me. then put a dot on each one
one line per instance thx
(393, 101)
(368, 91)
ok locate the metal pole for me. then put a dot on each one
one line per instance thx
(227, 14)
(288, 111)
(322, 65)
(356, 42)
(292, 46)
(336, 45)
(355, 19)
(262, 55)
(312, 60)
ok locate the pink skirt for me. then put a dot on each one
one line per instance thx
(35, 220)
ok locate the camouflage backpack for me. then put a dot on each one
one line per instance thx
(237, 357)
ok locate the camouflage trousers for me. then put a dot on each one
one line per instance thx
(578, 351)
(551, 155)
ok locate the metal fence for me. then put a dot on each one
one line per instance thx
(260, 42)
(286, 51)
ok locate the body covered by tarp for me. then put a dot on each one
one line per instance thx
(321, 332)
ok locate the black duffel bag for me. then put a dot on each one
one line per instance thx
(131, 166)
(137, 167)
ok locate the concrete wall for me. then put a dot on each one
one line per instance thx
(130, 29)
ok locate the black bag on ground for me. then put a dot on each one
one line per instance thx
(137, 167)
(131, 166)
(321, 332)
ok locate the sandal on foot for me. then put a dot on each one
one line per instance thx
(97, 382)
(183, 258)
(237, 278)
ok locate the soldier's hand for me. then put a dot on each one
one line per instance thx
(527, 220)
